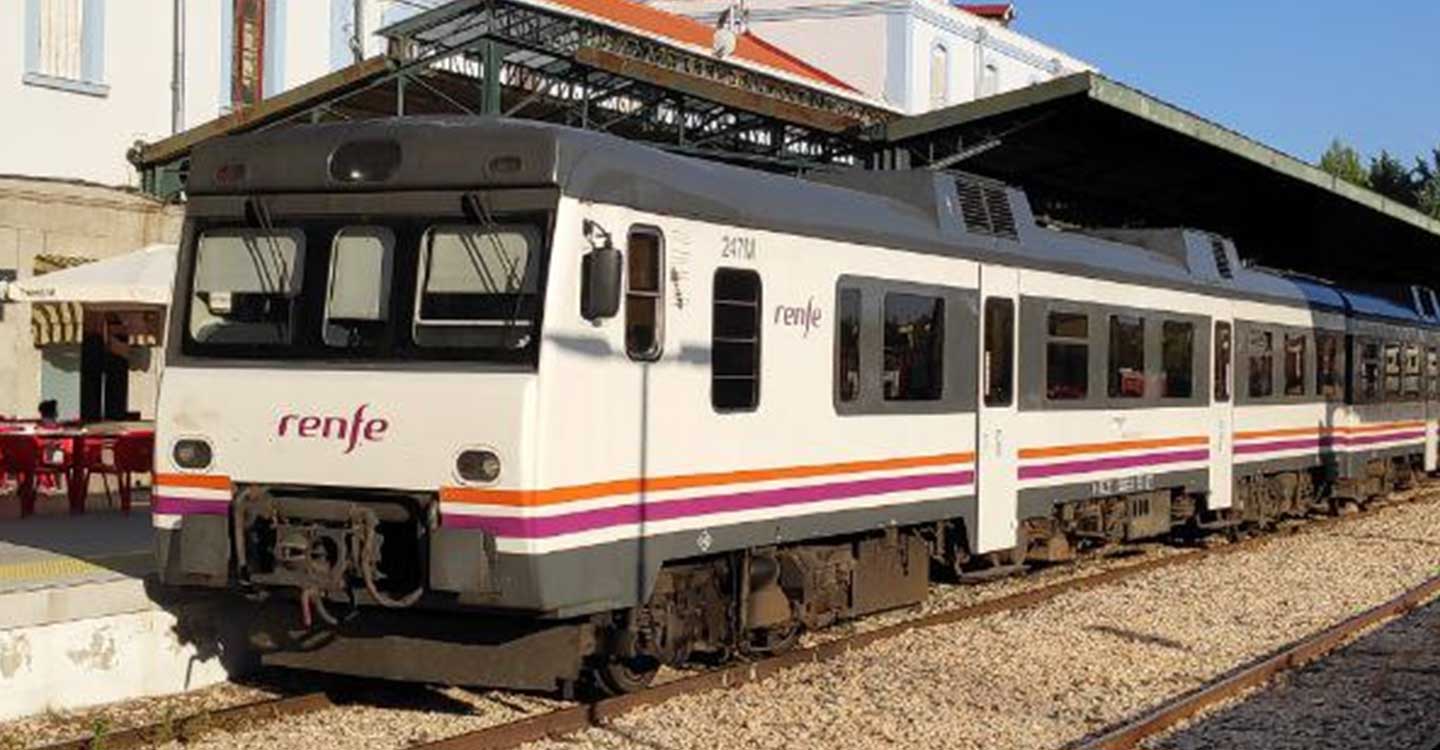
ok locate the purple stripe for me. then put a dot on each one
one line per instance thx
(1285, 445)
(1114, 462)
(1385, 438)
(184, 506)
(547, 526)
(1328, 441)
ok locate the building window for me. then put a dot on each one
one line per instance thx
(1127, 357)
(1067, 357)
(989, 80)
(1369, 370)
(65, 45)
(847, 354)
(1223, 359)
(644, 295)
(914, 347)
(939, 77)
(1177, 359)
(735, 341)
(1261, 349)
(1294, 365)
(1329, 372)
(999, 363)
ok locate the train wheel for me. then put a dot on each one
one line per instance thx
(621, 676)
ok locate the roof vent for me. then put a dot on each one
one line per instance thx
(1222, 258)
(986, 208)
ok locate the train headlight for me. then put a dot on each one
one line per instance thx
(192, 454)
(478, 466)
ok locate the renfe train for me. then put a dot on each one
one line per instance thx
(492, 402)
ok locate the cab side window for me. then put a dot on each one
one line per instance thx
(644, 294)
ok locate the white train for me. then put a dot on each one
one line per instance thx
(495, 402)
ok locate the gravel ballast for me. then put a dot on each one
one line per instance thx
(1380, 692)
(1052, 675)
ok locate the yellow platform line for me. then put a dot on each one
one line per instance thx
(62, 568)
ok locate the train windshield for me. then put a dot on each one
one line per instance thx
(411, 290)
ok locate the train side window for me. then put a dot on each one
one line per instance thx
(1067, 357)
(914, 347)
(1261, 351)
(644, 294)
(1369, 370)
(735, 340)
(847, 354)
(1432, 372)
(999, 365)
(1127, 356)
(1223, 359)
(1177, 359)
(1329, 374)
(1295, 364)
(1392, 370)
(1411, 382)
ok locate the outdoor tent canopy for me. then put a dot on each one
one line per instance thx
(143, 277)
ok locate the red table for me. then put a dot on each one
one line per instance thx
(33, 450)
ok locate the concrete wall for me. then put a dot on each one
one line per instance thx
(77, 646)
(42, 216)
(885, 48)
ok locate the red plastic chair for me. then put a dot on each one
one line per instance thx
(31, 459)
(121, 456)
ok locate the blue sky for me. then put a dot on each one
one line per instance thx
(1291, 74)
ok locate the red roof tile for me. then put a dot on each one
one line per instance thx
(749, 47)
(1003, 12)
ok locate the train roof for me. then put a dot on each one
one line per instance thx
(923, 211)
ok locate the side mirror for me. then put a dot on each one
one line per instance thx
(600, 283)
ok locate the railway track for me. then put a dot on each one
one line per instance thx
(571, 719)
(191, 728)
(1133, 733)
(566, 721)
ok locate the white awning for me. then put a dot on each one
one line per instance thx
(143, 277)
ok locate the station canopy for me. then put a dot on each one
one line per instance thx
(1093, 152)
(1090, 152)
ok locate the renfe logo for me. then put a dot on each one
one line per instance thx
(350, 431)
(806, 317)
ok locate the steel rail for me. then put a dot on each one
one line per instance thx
(189, 728)
(565, 721)
(1259, 673)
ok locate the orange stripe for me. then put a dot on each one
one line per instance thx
(1279, 433)
(1058, 451)
(631, 486)
(194, 481)
(1250, 435)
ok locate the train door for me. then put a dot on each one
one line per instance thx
(1222, 412)
(997, 439)
(1432, 403)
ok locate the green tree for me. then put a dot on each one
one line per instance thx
(1390, 178)
(1428, 177)
(1344, 162)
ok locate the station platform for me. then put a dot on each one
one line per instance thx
(82, 621)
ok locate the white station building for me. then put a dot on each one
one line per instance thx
(915, 55)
